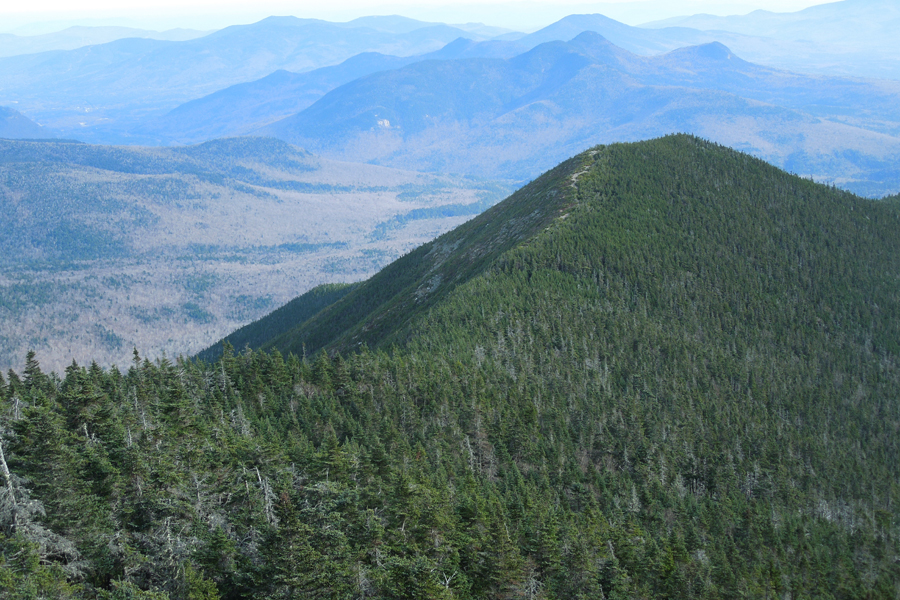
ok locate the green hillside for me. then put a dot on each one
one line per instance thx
(697, 212)
(298, 310)
(662, 370)
(381, 310)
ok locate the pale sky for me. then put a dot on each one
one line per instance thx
(42, 16)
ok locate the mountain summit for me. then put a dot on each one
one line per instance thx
(751, 244)
(670, 337)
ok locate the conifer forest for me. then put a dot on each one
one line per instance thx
(662, 369)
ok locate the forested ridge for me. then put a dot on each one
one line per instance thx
(663, 370)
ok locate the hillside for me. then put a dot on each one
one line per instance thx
(168, 249)
(662, 370)
(385, 309)
(298, 310)
(14, 125)
(513, 118)
(245, 107)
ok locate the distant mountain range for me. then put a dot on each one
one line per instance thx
(853, 37)
(857, 21)
(484, 101)
(112, 86)
(80, 36)
(245, 107)
(513, 118)
(104, 93)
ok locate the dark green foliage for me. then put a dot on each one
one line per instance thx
(298, 310)
(24, 576)
(674, 378)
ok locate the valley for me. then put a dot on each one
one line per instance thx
(168, 249)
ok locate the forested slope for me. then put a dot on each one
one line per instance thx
(298, 310)
(673, 378)
(729, 207)
(381, 310)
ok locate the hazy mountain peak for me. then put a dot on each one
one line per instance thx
(598, 46)
(588, 19)
(288, 20)
(591, 37)
(389, 23)
(454, 48)
(713, 51)
(571, 26)
(268, 24)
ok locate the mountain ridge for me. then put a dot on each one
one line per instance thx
(78, 36)
(106, 93)
(429, 272)
(383, 310)
(514, 117)
(110, 88)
